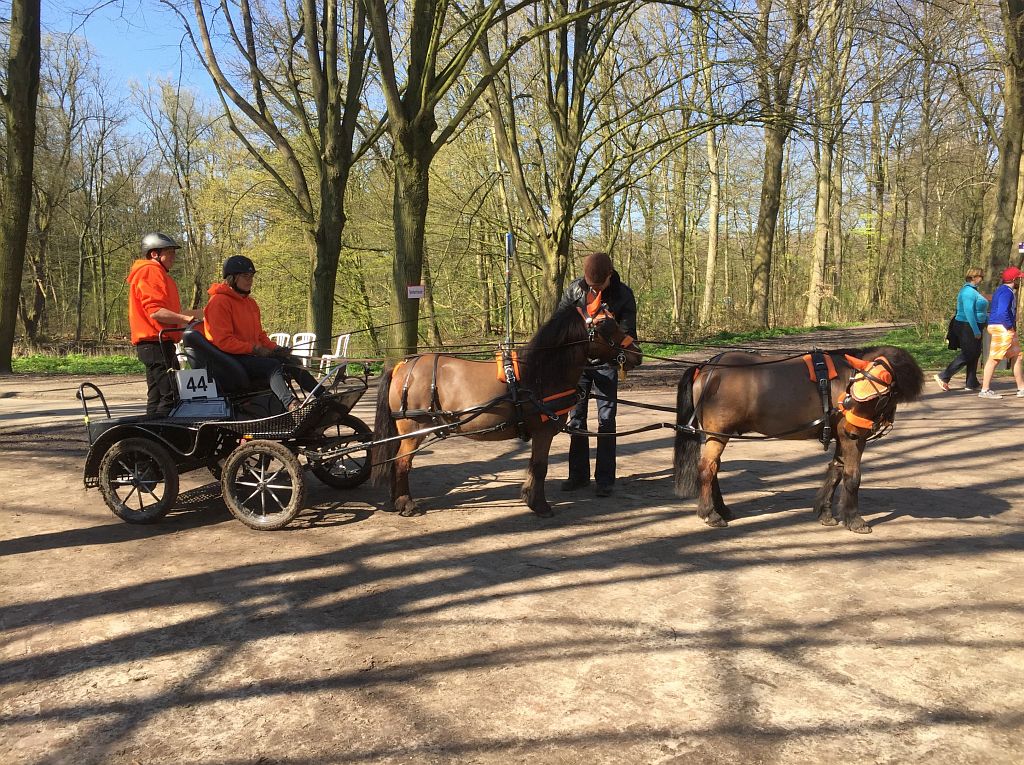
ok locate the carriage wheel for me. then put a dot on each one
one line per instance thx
(263, 485)
(352, 469)
(139, 480)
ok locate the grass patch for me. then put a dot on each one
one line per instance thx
(925, 342)
(78, 364)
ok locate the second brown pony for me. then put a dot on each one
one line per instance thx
(738, 393)
(433, 389)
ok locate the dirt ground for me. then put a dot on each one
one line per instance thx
(621, 630)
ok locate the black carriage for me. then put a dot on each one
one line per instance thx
(258, 451)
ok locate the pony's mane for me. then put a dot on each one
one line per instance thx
(559, 343)
(909, 378)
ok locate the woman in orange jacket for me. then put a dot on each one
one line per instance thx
(232, 323)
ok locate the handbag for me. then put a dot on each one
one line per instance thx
(952, 336)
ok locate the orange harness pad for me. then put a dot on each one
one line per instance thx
(499, 362)
(829, 365)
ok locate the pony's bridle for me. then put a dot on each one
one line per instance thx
(872, 381)
(598, 328)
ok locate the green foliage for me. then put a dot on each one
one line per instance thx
(78, 364)
(925, 342)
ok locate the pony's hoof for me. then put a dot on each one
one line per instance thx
(859, 527)
(726, 513)
(543, 512)
(716, 521)
(406, 507)
(828, 520)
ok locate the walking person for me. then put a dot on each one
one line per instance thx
(969, 325)
(1002, 327)
(599, 287)
(234, 325)
(154, 305)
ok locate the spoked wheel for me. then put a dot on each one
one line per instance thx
(139, 480)
(263, 485)
(352, 469)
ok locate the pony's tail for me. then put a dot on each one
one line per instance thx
(382, 455)
(687, 445)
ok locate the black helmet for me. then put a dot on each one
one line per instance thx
(238, 264)
(157, 241)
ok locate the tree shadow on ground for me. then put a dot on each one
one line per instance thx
(393, 585)
(195, 508)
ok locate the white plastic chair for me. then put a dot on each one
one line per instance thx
(340, 353)
(281, 338)
(303, 345)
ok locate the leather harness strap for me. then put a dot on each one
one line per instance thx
(822, 371)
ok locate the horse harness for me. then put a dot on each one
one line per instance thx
(870, 380)
(551, 407)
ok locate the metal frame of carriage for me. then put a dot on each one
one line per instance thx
(260, 462)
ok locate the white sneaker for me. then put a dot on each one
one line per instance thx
(942, 383)
(989, 394)
(1020, 392)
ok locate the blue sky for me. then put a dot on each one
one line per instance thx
(132, 39)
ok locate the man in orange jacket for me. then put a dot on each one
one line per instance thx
(154, 305)
(233, 324)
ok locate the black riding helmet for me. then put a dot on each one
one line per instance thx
(238, 264)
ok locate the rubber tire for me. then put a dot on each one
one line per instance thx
(232, 466)
(161, 458)
(363, 434)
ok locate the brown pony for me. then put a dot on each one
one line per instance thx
(738, 392)
(433, 389)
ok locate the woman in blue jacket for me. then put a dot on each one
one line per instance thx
(968, 328)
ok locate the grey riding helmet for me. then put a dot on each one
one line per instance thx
(157, 241)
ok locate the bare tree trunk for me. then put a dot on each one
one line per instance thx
(767, 221)
(775, 83)
(837, 231)
(714, 201)
(428, 297)
(1018, 216)
(411, 199)
(682, 210)
(822, 224)
(998, 234)
(19, 104)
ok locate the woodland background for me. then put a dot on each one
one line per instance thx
(748, 163)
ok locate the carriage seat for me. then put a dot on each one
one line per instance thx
(202, 354)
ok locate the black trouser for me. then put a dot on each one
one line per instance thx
(606, 380)
(970, 352)
(160, 394)
(268, 370)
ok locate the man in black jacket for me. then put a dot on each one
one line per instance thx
(599, 286)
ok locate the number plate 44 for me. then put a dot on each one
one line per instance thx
(195, 383)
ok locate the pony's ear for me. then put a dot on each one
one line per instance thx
(859, 364)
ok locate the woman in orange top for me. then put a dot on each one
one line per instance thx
(232, 323)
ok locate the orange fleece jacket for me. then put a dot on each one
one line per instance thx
(150, 287)
(232, 321)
